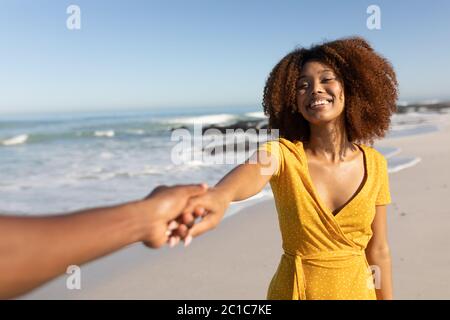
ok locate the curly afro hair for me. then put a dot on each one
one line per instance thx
(369, 82)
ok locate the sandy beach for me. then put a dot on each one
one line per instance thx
(238, 259)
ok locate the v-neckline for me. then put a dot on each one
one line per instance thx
(352, 198)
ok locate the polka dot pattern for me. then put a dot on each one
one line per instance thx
(324, 255)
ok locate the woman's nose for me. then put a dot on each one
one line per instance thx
(316, 87)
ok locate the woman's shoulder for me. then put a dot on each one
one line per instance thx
(290, 144)
(286, 149)
(283, 143)
(376, 155)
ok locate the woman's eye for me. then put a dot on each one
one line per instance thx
(303, 85)
(327, 79)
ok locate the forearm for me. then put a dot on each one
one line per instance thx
(242, 182)
(381, 259)
(36, 249)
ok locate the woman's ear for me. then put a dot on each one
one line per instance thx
(341, 95)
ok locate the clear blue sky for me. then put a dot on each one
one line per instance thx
(167, 53)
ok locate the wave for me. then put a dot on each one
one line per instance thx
(389, 152)
(412, 119)
(238, 206)
(105, 133)
(413, 130)
(397, 164)
(102, 174)
(138, 132)
(20, 139)
(260, 115)
(206, 119)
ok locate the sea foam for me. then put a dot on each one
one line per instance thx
(20, 139)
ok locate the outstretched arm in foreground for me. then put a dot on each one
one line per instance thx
(36, 249)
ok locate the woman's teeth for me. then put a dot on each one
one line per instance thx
(318, 103)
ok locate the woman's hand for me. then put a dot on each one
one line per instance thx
(210, 206)
(234, 186)
(163, 212)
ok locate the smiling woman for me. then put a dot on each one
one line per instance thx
(367, 80)
(330, 188)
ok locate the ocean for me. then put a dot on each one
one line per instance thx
(55, 163)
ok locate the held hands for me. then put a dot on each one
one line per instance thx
(156, 213)
(170, 213)
(210, 207)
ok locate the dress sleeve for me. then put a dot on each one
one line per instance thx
(273, 149)
(384, 195)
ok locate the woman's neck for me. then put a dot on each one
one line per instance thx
(330, 142)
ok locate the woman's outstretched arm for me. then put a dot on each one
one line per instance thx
(240, 183)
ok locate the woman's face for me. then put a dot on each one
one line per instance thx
(320, 94)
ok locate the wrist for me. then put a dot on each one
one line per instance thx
(224, 193)
(139, 217)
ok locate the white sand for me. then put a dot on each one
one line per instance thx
(238, 259)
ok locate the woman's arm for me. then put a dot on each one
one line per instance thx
(240, 183)
(378, 255)
(249, 178)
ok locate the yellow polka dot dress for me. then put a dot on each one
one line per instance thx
(324, 255)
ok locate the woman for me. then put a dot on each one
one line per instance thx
(330, 189)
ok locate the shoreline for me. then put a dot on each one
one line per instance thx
(83, 161)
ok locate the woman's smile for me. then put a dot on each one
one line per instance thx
(320, 104)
